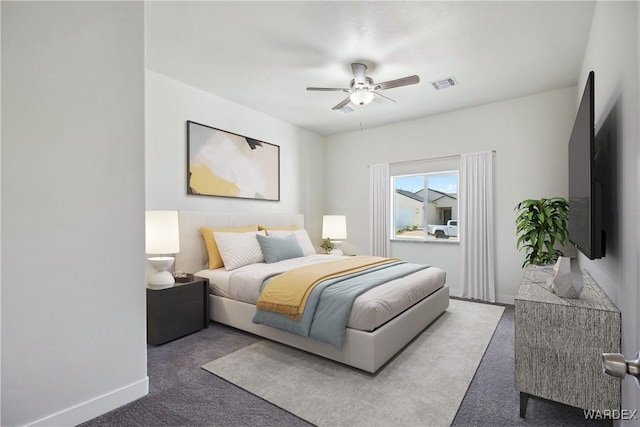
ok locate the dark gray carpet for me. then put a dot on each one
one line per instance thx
(492, 399)
(183, 394)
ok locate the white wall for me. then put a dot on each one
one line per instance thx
(530, 136)
(73, 296)
(613, 54)
(170, 103)
(0, 223)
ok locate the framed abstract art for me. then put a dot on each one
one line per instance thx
(225, 164)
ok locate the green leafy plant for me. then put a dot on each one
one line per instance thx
(540, 224)
(327, 245)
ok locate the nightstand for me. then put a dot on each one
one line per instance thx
(177, 311)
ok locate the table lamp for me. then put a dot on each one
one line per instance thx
(162, 239)
(334, 228)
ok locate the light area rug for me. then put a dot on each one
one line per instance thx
(422, 386)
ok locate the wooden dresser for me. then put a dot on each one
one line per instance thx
(559, 342)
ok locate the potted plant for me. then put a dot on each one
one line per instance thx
(327, 245)
(540, 224)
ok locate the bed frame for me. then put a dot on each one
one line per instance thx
(363, 350)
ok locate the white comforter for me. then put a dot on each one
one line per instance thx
(370, 310)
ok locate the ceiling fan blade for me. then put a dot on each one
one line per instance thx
(328, 89)
(405, 81)
(381, 99)
(359, 72)
(342, 104)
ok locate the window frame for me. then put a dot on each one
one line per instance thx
(425, 237)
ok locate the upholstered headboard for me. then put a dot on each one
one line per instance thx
(193, 255)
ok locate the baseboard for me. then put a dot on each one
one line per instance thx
(506, 299)
(97, 406)
(501, 299)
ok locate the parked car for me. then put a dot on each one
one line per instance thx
(445, 231)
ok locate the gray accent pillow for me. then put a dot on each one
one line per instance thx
(277, 249)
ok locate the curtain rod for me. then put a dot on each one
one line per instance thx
(426, 160)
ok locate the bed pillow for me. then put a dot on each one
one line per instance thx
(239, 249)
(301, 235)
(277, 249)
(215, 260)
(287, 227)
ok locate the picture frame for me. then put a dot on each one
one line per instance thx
(225, 164)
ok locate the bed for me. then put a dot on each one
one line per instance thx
(370, 340)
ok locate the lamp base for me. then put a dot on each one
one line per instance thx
(336, 248)
(161, 278)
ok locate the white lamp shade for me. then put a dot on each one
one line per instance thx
(334, 227)
(361, 97)
(161, 232)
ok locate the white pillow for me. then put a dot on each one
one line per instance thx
(239, 249)
(301, 235)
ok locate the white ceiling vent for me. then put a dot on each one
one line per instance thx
(444, 83)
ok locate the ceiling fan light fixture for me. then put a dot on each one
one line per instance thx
(362, 90)
(361, 97)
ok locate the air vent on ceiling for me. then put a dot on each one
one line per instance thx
(444, 83)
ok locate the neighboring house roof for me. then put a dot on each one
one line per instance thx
(414, 196)
(434, 195)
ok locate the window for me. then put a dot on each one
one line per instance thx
(425, 206)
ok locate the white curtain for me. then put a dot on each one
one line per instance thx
(379, 221)
(477, 257)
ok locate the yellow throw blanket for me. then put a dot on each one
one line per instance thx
(288, 292)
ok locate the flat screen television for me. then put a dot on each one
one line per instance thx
(586, 232)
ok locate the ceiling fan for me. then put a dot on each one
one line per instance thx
(363, 90)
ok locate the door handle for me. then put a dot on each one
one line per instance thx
(614, 364)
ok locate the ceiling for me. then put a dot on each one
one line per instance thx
(264, 55)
